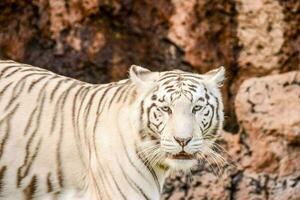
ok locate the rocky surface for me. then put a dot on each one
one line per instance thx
(257, 41)
(270, 106)
(268, 110)
(261, 33)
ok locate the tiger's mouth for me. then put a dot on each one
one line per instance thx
(183, 156)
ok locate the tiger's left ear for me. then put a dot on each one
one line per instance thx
(143, 78)
(217, 76)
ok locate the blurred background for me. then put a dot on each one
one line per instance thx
(258, 41)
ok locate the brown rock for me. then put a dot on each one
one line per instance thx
(290, 49)
(261, 33)
(285, 188)
(90, 6)
(198, 27)
(264, 186)
(97, 44)
(181, 24)
(270, 105)
(268, 110)
(289, 162)
(252, 186)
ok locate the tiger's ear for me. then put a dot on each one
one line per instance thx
(217, 76)
(143, 78)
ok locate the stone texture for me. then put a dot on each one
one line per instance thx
(107, 36)
(261, 33)
(97, 41)
(270, 106)
(202, 30)
(268, 109)
(290, 58)
(268, 36)
(266, 186)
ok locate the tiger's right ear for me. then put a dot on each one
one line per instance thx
(143, 78)
(217, 76)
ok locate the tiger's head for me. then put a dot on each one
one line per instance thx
(180, 115)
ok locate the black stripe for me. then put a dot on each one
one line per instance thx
(28, 125)
(114, 95)
(172, 77)
(5, 138)
(129, 93)
(7, 68)
(58, 154)
(168, 81)
(30, 68)
(30, 190)
(56, 88)
(25, 167)
(5, 88)
(74, 111)
(66, 93)
(174, 96)
(33, 83)
(213, 114)
(28, 162)
(123, 92)
(172, 73)
(15, 94)
(49, 183)
(89, 105)
(2, 176)
(12, 73)
(185, 92)
(192, 76)
(100, 105)
(217, 107)
(58, 105)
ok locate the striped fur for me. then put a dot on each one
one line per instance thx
(65, 139)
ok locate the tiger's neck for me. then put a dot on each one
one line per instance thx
(114, 168)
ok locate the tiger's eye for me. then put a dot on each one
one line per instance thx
(197, 108)
(166, 109)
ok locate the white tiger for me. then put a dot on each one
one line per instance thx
(61, 138)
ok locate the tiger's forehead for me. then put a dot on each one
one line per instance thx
(177, 84)
(179, 80)
(179, 76)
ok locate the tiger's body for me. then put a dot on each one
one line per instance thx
(65, 139)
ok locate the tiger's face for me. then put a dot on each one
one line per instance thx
(181, 114)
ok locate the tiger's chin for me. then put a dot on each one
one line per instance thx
(181, 164)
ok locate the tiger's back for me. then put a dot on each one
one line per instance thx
(35, 107)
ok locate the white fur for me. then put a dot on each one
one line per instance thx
(89, 147)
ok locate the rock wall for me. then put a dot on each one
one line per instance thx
(258, 42)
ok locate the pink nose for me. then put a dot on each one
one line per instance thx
(183, 141)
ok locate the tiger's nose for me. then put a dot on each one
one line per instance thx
(183, 141)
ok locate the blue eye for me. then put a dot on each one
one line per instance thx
(197, 108)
